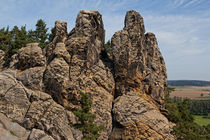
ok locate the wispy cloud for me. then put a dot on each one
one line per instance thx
(179, 2)
(175, 32)
(191, 2)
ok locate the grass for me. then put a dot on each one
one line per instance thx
(200, 120)
(12, 132)
(206, 97)
(13, 120)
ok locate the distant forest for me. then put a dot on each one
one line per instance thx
(188, 83)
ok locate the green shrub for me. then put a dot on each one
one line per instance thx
(13, 120)
(108, 48)
(12, 132)
(86, 119)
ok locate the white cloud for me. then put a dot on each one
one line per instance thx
(179, 32)
(192, 2)
(179, 2)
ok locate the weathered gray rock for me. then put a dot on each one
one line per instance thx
(32, 77)
(139, 118)
(33, 109)
(56, 79)
(87, 72)
(37, 134)
(60, 51)
(156, 76)
(60, 30)
(14, 97)
(10, 130)
(50, 117)
(30, 56)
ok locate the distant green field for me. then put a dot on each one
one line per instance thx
(200, 120)
(206, 98)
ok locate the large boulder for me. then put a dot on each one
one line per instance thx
(30, 56)
(32, 77)
(137, 117)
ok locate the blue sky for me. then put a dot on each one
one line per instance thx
(182, 27)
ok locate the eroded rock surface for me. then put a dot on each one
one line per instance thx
(30, 56)
(137, 60)
(33, 109)
(2, 54)
(141, 79)
(42, 87)
(87, 72)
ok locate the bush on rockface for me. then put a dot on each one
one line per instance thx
(86, 119)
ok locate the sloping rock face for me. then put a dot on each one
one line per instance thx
(32, 110)
(41, 88)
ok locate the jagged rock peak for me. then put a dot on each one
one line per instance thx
(140, 83)
(89, 24)
(60, 31)
(134, 21)
(87, 37)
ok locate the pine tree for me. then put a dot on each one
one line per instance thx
(86, 119)
(19, 38)
(5, 39)
(40, 34)
(31, 36)
(107, 46)
(52, 35)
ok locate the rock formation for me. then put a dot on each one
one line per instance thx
(41, 88)
(1, 59)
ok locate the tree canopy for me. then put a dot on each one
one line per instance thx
(15, 38)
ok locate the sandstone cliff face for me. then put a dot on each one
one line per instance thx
(41, 88)
(138, 63)
(140, 77)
